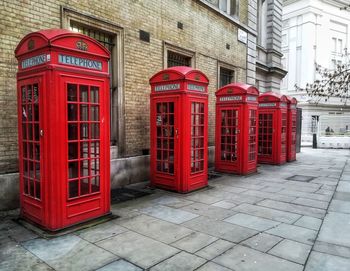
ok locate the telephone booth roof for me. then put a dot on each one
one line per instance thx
(291, 100)
(237, 88)
(60, 38)
(272, 97)
(179, 73)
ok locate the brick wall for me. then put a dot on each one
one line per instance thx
(205, 32)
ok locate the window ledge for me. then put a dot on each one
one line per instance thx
(233, 20)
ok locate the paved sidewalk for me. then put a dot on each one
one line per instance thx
(270, 221)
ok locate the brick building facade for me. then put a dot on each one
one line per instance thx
(219, 37)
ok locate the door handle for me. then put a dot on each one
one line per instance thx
(176, 133)
(41, 132)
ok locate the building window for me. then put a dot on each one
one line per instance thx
(112, 37)
(227, 76)
(262, 22)
(176, 56)
(231, 7)
(175, 59)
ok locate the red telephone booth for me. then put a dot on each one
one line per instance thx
(63, 125)
(292, 129)
(272, 146)
(179, 133)
(236, 130)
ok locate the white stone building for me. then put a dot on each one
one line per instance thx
(316, 31)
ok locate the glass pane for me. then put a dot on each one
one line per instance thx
(84, 131)
(36, 112)
(31, 188)
(72, 112)
(94, 95)
(25, 182)
(84, 149)
(37, 190)
(95, 149)
(95, 184)
(36, 132)
(73, 150)
(95, 131)
(83, 93)
(31, 150)
(72, 131)
(24, 150)
(37, 152)
(84, 168)
(35, 93)
(72, 92)
(73, 170)
(73, 189)
(95, 166)
(94, 112)
(84, 186)
(24, 131)
(84, 112)
(37, 171)
(30, 131)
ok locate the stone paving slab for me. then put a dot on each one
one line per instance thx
(215, 249)
(101, 231)
(345, 196)
(295, 233)
(69, 252)
(292, 251)
(168, 214)
(343, 187)
(220, 229)
(120, 265)
(293, 208)
(138, 249)
(224, 204)
(306, 195)
(325, 262)
(311, 203)
(262, 242)
(171, 201)
(252, 222)
(332, 249)
(210, 266)
(159, 230)
(194, 242)
(340, 206)
(208, 210)
(242, 258)
(309, 222)
(14, 257)
(180, 262)
(268, 213)
(336, 229)
(203, 198)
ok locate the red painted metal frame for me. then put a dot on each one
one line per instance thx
(291, 131)
(236, 152)
(179, 147)
(272, 136)
(55, 208)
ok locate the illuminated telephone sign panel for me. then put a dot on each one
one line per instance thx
(272, 122)
(236, 129)
(63, 128)
(179, 129)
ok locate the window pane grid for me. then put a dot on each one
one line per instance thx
(226, 76)
(252, 135)
(165, 137)
(83, 114)
(284, 133)
(175, 59)
(197, 137)
(265, 134)
(228, 140)
(30, 140)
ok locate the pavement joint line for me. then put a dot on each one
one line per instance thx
(318, 232)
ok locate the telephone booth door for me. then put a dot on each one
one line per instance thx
(179, 134)
(266, 135)
(236, 129)
(31, 156)
(166, 134)
(63, 124)
(291, 130)
(229, 119)
(272, 128)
